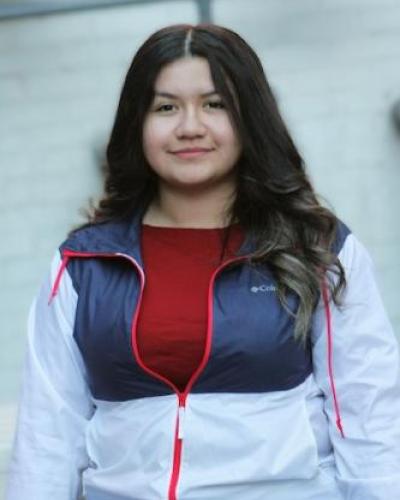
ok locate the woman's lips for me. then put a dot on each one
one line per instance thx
(191, 153)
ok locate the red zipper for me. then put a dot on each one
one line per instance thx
(178, 440)
(328, 318)
(180, 419)
(182, 396)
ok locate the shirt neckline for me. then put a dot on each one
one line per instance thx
(176, 228)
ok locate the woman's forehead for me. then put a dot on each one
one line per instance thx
(185, 76)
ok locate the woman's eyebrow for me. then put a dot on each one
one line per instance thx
(173, 96)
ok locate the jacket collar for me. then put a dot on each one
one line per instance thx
(121, 235)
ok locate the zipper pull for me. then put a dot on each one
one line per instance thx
(181, 421)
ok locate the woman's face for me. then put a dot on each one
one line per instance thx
(188, 137)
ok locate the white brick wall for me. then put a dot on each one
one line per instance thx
(333, 64)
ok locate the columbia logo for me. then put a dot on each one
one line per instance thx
(263, 288)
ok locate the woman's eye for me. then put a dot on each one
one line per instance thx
(215, 104)
(165, 107)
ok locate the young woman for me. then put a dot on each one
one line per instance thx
(213, 332)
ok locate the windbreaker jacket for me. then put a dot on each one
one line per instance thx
(263, 417)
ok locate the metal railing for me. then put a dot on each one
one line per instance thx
(18, 10)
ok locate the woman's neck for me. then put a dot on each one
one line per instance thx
(174, 208)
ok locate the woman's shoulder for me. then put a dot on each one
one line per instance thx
(342, 232)
(112, 235)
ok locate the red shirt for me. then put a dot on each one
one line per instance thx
(178, 264)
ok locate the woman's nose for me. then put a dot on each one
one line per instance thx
(190, 124)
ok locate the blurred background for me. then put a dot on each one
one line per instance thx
(334, 66)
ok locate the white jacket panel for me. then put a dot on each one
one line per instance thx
(49, 449)
(366, 374)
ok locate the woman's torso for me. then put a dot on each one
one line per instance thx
(250, 423)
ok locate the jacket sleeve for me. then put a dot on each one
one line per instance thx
(49, 445)
(365, 361)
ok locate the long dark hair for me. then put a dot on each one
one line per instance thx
(275, 203)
